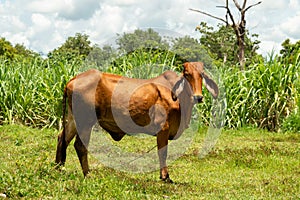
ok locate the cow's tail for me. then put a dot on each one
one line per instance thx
(61, 144)
(64, 109)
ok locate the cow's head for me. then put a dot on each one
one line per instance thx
(191, 82)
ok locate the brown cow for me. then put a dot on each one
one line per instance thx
(160, 106)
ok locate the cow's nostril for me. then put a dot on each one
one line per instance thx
(198, 99)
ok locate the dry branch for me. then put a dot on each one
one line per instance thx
(238, 5)
(204, 13)
(253, 5)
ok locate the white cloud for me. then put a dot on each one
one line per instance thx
(122, 2)
(78, 9)
(294, 4)
(45, 6)
(17, 23)
(44, 25)
(40, 22)
(268, 47)
(271, 4)
(69, 9)
(109, 19)
(19, 38)
(292, 26)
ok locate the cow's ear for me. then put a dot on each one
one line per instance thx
(178, 88)
(210, 85)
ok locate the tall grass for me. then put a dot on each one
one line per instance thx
(142, 63)
(262, 96)
(31, 91)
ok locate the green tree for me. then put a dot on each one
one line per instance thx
(190, 49)
(290, 52)
(79, 45)
(21, 50)
(101, 57)
(222, 43)
(6, 49)
(141, 39)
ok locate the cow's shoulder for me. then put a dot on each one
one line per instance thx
(170, 75)
(164, 84)
(168, 78)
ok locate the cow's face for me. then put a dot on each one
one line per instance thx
(194, 74)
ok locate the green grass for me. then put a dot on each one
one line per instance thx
(245, 164)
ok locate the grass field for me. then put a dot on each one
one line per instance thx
(245, 164)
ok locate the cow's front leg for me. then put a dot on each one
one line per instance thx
(162, 144)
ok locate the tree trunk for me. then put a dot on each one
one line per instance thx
(240, 33)
(241, 55)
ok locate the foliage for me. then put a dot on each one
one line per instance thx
(22, 51)
(101, 56)
(31, 93)
(145, 63)
(289, 51)
(6, 49)
(292, 123)
(141, 39)
(263, 95)
(222, 44)
(189, 49)
(245, 164)
(77, 46)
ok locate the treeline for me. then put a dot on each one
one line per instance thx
(265, 95)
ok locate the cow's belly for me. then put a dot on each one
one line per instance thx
(142, 123)
(127, 121)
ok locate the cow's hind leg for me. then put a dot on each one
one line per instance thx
(64, 139)
(81, 145)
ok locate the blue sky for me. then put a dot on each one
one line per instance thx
(43, 25)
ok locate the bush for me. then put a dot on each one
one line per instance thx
(291, 123)
(263, 95)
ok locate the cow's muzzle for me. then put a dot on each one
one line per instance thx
(198, 99)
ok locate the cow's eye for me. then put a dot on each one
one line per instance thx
(187, 75)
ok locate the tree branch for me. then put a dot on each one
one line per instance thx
(253, 5)
(235, 28)
(244, 5)
(238, 5)
(230, 15)
(207, 14)
(226, 16)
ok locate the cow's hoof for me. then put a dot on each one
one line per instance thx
(168, 180)
(86, 174)
(59, 166)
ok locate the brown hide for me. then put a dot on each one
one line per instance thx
(160, 106)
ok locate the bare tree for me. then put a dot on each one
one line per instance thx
(238, 27)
